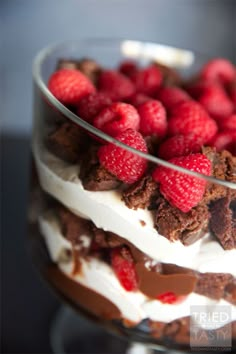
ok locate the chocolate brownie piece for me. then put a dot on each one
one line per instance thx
(93, 175)
(223, 167)
(230, 291)
(67, 142)
(106, 239)
(231, 166)
(90, 68)
(140, 194)
(87, 66)
(223, 221)
(67, 64)
(173, 224)
(157, 329)
(73, 227)
(178, 330)
(170, 76)
(212, 285)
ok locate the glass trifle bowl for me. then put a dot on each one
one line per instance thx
(133, 203)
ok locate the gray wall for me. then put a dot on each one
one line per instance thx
(28, 25)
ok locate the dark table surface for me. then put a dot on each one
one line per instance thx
(27, 306)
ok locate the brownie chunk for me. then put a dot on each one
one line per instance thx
(230, 291)
(173, 224)
(178, 330)
(90, 68)
(140, 194)
(170, 76)
(73, 227)
(99, 179)
(93, 175)
(106, 239)
(67, 64)
(67, 142)
(212, 285)
(223, 167)
(223, 221)
(157, 329)
(87, 66)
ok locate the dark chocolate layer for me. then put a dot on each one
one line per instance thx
(82, 296)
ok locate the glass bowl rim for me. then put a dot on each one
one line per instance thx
(45, 52)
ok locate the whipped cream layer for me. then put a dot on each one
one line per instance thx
(99, 277)
(108, 212)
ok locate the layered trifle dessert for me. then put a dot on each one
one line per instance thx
(133, 235)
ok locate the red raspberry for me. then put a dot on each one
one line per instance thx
(128, 67)
(171, 298)
(179, 145)
(125, 165)
(225, 140)
(91, 105)
(123, 266)
(218, 69)
(138, 98)
(152, 118)
(115, 85)
(147, 80)
(116, 118)
(69, 86)
(191, 118)
(181, 190)
(170, 96)
(231, 88)
(196, 88)
(216, 102)
(228, 123)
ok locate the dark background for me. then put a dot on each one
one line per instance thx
(208, 26)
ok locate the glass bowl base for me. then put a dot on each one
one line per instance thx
(71, 333)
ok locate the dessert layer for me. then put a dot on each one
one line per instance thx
(175, 331)
(108, 212)
(99, 277)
